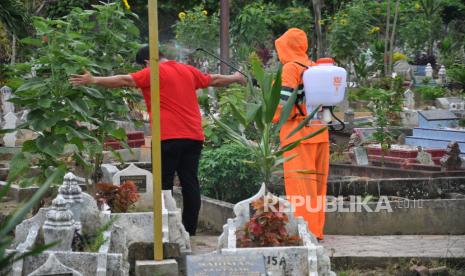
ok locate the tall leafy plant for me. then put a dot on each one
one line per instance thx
(267, 151)
(73, 122)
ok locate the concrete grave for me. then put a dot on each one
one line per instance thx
(404, 69)
(308, 259)
(57, 224)
(450, 103)
(139, 226)
(437, 119)
(142, 179)
(54, 267)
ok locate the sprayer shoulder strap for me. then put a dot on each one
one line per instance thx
(301, 75)
(305, 66)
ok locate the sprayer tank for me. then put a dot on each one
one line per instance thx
(324, 84)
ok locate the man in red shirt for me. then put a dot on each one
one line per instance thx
(181, 123)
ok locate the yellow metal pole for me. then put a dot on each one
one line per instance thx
(156, 144)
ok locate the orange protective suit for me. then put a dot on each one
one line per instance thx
(307, 191)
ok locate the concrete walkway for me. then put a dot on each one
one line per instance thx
(385, 247)
(403, 246)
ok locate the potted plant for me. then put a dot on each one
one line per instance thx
(270, 228)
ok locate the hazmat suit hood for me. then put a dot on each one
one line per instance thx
(292, 46)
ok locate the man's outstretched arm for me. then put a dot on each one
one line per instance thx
(223, 80)
(109, 82)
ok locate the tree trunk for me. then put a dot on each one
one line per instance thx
(386, 37)
(393, 33)
(13, 50)
(319, 33)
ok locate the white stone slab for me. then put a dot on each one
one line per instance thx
(9, 139)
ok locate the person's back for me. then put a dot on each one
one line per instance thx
(180, 120)
(179, 109)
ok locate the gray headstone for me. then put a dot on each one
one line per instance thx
(142, 179)
(424, 157)
(226, 265)
(108, 172)
(409, 99)
(361, 156)
(403, 68)
(9, 139)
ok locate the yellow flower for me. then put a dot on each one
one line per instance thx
(417, 6)
(321, 22)
(204, 12)
(182, 15)
(126, 4)
(374, 30)
(398, 56)
(344, 22)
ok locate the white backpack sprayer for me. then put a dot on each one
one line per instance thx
(325, 84)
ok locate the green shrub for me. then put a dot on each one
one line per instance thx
(457, 74)
(226, 173)
(430, 93)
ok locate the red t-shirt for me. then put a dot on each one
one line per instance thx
(179, 110)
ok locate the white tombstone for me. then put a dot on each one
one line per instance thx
(5, 95)
(442, 75)
(143, 180)
(409, 99)
(9, 139)
(429, 71)
(306, 259)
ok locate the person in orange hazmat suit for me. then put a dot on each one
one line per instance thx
(306, 174)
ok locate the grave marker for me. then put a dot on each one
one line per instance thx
(425, 158)
(226, 265)
(143, 180)
(5, 95)
(428, 71)
(361, 156)
(9, 139)
(409, 99)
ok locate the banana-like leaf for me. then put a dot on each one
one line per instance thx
(259, 119)
(274, 96)
(258, 71)
(304, 122)
(252, 109)
(287, 109)
(238, 114)
(294, 144)
(307, 172)
(280, 161)
(233, 134)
